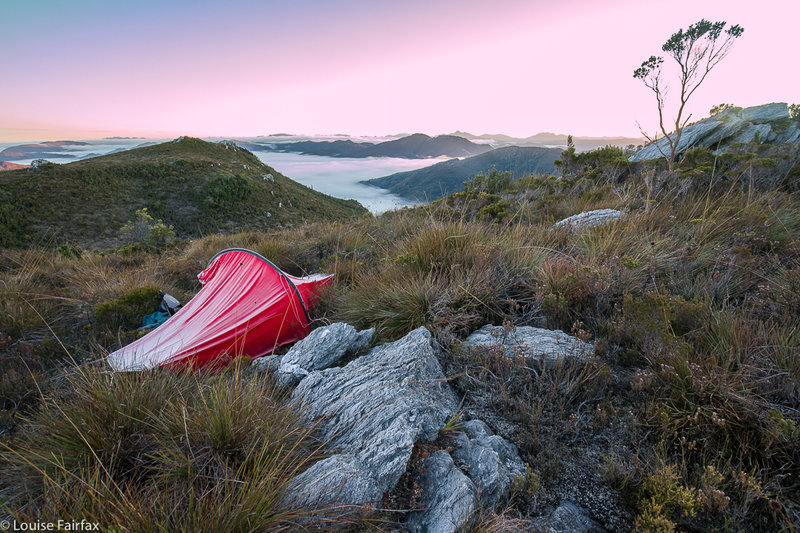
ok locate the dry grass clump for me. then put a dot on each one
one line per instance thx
(155, 451)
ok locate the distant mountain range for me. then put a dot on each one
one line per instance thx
(39, 150)
(196, 186)
(551, 139)
(447, 177)
(416, 146)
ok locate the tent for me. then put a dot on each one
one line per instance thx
(247, 306)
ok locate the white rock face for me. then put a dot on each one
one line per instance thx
(764, 123)
(587, 219)
(372, 411)
(546, 346)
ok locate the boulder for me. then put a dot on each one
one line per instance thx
(322, 348)
(448, 496)
(542, 345)
(371, 412)
(568, 518)
(490, 461)
(733, 125)
(36, 165)
(588, 219)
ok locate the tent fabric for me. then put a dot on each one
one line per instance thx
(247, 306)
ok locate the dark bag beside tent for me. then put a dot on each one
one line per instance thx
(247, 306)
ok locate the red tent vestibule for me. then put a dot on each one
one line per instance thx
(247, 306)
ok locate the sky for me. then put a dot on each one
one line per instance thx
(84, 69)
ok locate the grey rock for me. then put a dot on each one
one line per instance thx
(290, 374)
(490, 461)
(543, 345)
(791, 135)
(371, 413)
(729, 127)
(267, 363)
(448, 496)
(765, 113)
(753, 132)
(338, 478)
(568, 518)
(588, 219)
(322, 348)
(36, 165)
(363, 339)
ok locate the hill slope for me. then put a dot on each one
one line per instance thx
(416, 146)
(196, 186)
(449, 176)
(7, 165)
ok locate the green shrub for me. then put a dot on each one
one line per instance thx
(126, 312)
(144, 230)
(226, 191)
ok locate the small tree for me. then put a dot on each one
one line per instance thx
(696, 51)
(144, 229)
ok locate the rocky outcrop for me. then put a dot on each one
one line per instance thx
(544, 346)
(371, 413)
(765, 123)
(448, 496)
(567, 518)
(491, 462)
(588, 219)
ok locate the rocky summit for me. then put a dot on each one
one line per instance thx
(768, 123)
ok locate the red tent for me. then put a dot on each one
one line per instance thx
(247, 306)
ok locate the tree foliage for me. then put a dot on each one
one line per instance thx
(696, 50)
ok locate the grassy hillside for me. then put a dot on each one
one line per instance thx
(687, 419)
(195, 186)
(443, 178)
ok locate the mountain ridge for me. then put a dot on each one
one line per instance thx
(443, 178)
(196, 186)
(415, 146)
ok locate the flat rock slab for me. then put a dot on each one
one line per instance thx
(543, 345)
(588, 219)
(448, 496)
(490, 461)
(371, 413)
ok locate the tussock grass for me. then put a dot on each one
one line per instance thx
(160, 451)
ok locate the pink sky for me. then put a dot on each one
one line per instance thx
(92, 68)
